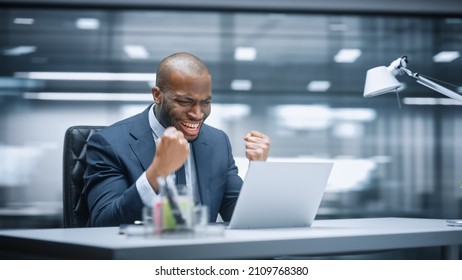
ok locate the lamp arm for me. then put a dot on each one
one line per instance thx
(432, 85)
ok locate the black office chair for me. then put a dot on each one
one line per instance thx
(75, 208)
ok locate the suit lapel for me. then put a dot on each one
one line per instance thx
(143, 145)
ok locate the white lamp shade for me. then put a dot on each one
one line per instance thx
(379, 81)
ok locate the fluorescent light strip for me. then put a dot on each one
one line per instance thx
(88, 96)
(20, 50)
(27, 21)
(430, 101)
(87, 76)
(355, 114)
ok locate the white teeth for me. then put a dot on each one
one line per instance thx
(191, 126)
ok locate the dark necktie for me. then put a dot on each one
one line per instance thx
(180, 176)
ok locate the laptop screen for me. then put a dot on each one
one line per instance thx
(280, 194)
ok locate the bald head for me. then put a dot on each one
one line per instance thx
(182, 63)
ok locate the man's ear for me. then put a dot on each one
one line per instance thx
(156, 94)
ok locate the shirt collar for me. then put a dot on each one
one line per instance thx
(157, 129)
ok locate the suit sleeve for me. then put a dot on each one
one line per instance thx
(233, 184)
(112, 199)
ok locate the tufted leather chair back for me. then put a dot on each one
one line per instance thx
(75, 208)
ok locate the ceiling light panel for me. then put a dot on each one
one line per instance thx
(243, 85)
(347, 55)
(446, 56)
(136, 51)
(245, 54)
(87, 23)
(318, 86)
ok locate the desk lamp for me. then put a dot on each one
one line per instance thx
(381, 79)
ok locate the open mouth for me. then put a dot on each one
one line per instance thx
(190, 128)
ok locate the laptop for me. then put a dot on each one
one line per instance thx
(280, 194)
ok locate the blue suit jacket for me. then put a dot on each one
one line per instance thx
(120, 153)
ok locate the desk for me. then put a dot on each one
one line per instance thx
(30, 216)
(342, 236)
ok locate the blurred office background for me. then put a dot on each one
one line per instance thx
(294, 70)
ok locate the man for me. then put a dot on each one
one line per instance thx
(125, 159)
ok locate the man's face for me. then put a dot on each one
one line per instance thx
(185, 104)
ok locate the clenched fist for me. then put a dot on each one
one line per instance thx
(171, 152)
(257, 145)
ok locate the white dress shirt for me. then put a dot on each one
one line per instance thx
(147, 194)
